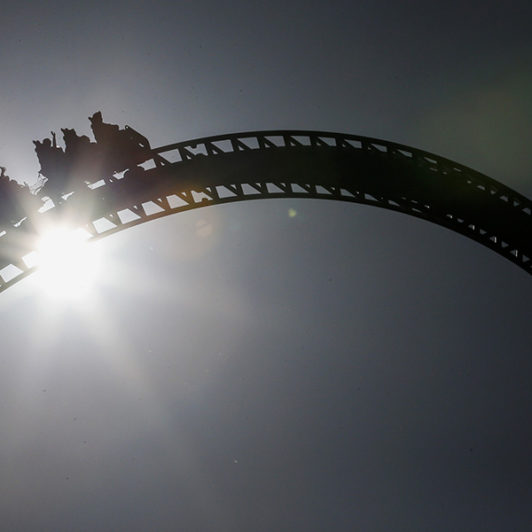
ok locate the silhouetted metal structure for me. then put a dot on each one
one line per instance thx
(290, 164)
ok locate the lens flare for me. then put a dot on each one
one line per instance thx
(67, 265)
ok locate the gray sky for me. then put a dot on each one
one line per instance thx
(344, 369)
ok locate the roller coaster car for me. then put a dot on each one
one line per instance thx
(120, 149)
(136, 138)
(84, 162)
(130, 149)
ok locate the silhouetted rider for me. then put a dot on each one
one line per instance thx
(16, 200)
(120, 148)
(106, 134)
(54, 167)
(74, 144)
(81, 157)
(51, 157)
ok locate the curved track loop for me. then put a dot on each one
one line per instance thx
(294, 164)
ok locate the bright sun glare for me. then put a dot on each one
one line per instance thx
(67, 265)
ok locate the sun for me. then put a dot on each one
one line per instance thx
(67, 265)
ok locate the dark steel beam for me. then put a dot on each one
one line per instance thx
(291, 164)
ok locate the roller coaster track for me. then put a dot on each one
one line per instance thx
(288, 164)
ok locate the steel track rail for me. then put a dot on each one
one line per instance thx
(289, 164)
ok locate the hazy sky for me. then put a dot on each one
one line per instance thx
(344, 369)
